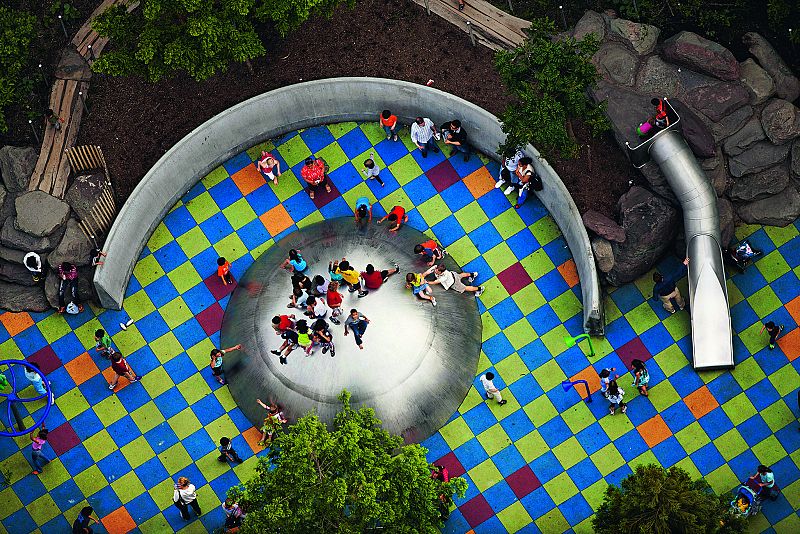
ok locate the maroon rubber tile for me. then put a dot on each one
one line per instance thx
(443, 176)
(63, 438)
(46, 359)
(632, 350)
(454, 467)
(322, 197)
(217, 288)
(211, 318)
(476, 511)
(523, 481)
(515, 278)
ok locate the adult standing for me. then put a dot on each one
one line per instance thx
(389, 124)
(269, 167)
(422, 134)
(455, 136)
(315, 174)
(765, 478)
(508, 172)
(68, 287)
(357, 322)
(35, 378)
(185, 495)
(216, 362)
(491, 391)
(667, 290)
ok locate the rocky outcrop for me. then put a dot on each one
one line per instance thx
(616, 63)
(781, 121)
(717, 100)
(760, 156)
(752, 132)
(795, 163)
(16, 166)
(16, 239)
(591, 22)
(650, 225)
(40, 214)
(603, 254)
(787, 85)
(15, 273)
(603, 226)
(777, 210)
(658, 183)
(642, 38)
(731, 124)
(760, 184)
(73, 248)
(657, 78)
(727, 220)
(15, 298)
(757, 81)
(695, 131)
(700, 54)
(716, 172)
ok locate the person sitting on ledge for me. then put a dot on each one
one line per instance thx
(374, 279)
(455, 136)
(419, 287)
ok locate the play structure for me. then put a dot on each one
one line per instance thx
(712, 346)
(13, 418)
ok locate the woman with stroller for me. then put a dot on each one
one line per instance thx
(765, 479)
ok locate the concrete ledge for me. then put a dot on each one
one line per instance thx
(302, 106)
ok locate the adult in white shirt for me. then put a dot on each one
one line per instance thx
(508, 172)
(491, 391)
(453, 280)
(423, 133)
(184, 497)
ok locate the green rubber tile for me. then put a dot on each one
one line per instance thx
(769, 451)
(646, 458)
(743, 231)
(549, 375)
(294, 151)
(405, 169)
(167, 347)
(288, 185)
(361, 190)
(528, 299)
(663, 395)
(155, 525)
(260, 249)
(148, 416)
(773, 266)
(471, 217)
(578, 417)
(333, 155)
(161, 236)
(91, 480)
(157, 382)
(255, 154)
(752, 339)
(85, 333)
(748, 373)
(514, 517)
(43, 509)
(194, 388)
(500, 257)
(485, 475)
(225, 398)
(692, 438)
(473, 398)
(540, 410)
(545, 230)
(531, 446)
(561, 488)
(734, 294)
(175, 458)
(722, 479)
(230, 247)
(239, 214)
(162, 495)
(128, 487)
(138, 451)
(199, 353)
(687, 465)
(129, 341)
(678, 325)
(99, 446)
(184, 277)
(520, 333)
(537, 264)
(138, 305)
(501, 412)
(730, 444)
(607, 459)
(780, 235)
(202, 207)
(511, 368)
(54, 474)
(210, 467)
(175, 312)
(311, 218)
(147, 270)
(494, 292)
(642, 318)
(340, 128)
(615, 426)
(184, 423)
(790, 523)
(764, 301)
(785, 379)
(611, 310)
(222, 426)
(9, 502)
(595, 493)
(554, 340)
(778, 415)
(508, 223)
(569, 453)
(53, 327)
(566, 305)
(72, 403)
(494, 439)
(219, 174)
(396, 198)
(739, 409)
(791, 492)
(17, 464)
(552, 521)
(192, 243)
(434, 210)
(490, 326)
(671, 360)
(373, 132)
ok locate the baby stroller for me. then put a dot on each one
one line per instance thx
(742, 254)
(746, 502)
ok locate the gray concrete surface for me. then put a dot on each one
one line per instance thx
(305, 105)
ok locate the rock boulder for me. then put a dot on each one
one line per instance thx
(716, 172)
(657, 78)
(781, 121)
(695, 131)
(74, 247)
(752, 132)
(641, 37)
(16, 166)
(760, 156)
(16, 298)
(777, 210)
(591, 22)
(603, 254)
(699, 53)
(616, 63)
(730, 124)
(40, 214)
(603, 226)
(727, 220)
(84, 192)
(717, 100)
(757, 81)
(658, 183)
(760, 184)
(13, 238)
(787, 86)
(796, 159)
(15, 273)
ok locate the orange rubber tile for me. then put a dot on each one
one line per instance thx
(119, 521)
(789, 343)
(793, 307)
(252, 436)
(654, 431)
(276, 220)
(82, 368)
(248, 179)
(700, 402)
(569, 272)
(109, 375)
(590, 375)
(479, 182)
(16, 322)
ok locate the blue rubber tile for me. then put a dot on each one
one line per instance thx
(239, 419)
(788, 436)
(205, 262)
(20, 522)
(213, 518)
(786, 286)
(77, 459)
(180, 368)
(517, 424)
(317, 138)
(123, 431)
(223, 483)
(436, 446)
(133, 287)
(278, 141)
(724, 388)
(161, 437)
(656, 339)
(551, 285)
(192, 472)
(630, 445)
(472, 491)
(241, 447)
(749, 281)
(415, 220)
(68, 347)
(225, 193)
(616, 477)
(563, 401)
(627, 297)
(785, 469)
(532, 211)
(538, 502)
(543, 319)
(419, 190)
(480, 417)
(555, 431)
(791, 252)
(152, 326)
(490, 526)
(354, 143)
(142, 508)
(455, 524)
(761, 241)
(677, 416)
(197, 189)
(151, 473)
(494, 203)
(216, 227)
(523, 244)
(478, 265)
(576, 509)
(778, 510)
(546, 467)
(506, 313)
(336, 208)
(754, 430)
(558, 251)
(174, 519)
(763, 394)
(572, 361)
(264, 198)
(61, 382)
(299, 206)
(390, 151)
(457, 196)
(58, 524)
(686, 381)
(113, 467)
(432, 160)
(237, 162)
(208, 409)
(584, 474)
(30, 341)
(448, 231)
(742, 316)
(485, 237)
(171, 403)
(497, 347)
(715, 423)
(390, 185)
(347, 176)
(534, 354)
(707, 458)
(144, 361)
(29, 487)
(744, 465)
(669, 452)
(470, 454)
(525, 390)
(464, 168)
(95, 389)
(500, 496)
(253, 234)
(179, 221)
(170, 257)
(189, 333)
(198, 298)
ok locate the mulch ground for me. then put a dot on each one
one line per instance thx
(136, 122)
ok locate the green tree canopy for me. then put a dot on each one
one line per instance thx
(17, 29)
(654, 500)
(549, 78)
(354, 478)
(289, 14)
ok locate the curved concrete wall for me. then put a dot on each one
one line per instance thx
(302, 106)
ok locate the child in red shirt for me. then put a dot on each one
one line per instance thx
(430, 251)
(389, 124)
(396, 218)
(334, 299)
(121, 368)
(224, 271)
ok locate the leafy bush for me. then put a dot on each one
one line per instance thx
(654, 500)
(290, 14)
(17, 29)
(549, 78)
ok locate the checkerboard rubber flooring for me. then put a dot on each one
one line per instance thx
(538, 464)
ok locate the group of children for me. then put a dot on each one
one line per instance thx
(614, 393)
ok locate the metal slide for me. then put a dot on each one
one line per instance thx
(712, 346)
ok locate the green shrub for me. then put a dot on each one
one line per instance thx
(17, 29)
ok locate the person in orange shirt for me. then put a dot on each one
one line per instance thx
(389, 124)
(224, 271)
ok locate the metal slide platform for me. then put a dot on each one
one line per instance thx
(712, 346)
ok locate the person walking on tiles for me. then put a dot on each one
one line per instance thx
(667, 291)
(216, 362)
(184, 497)
(774, 331)
(491, 391)
(38, 439)
(82, 522)
(615, 396)
(422, 135)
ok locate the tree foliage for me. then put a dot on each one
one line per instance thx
(654, 500)
(355, 478)
(549, 78)
(289, 14)
(17, 29)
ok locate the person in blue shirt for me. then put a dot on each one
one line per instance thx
(667, 290)
(294, 262)
(363, 210)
